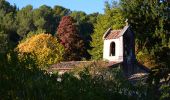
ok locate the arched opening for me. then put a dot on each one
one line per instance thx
(112, 49)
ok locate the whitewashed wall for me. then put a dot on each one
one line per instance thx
(118, 50)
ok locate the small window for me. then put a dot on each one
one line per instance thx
(112, 49)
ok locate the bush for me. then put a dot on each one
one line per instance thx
(22, 79)
(105, 83)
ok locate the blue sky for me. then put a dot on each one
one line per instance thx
(88, 6)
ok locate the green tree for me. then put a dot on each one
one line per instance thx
(5, 6)
(93, 17)
(111, 18)
(86, 25)
(8, 35)
(59, 12)
(25, 21)
(149, 20)
(43, 19)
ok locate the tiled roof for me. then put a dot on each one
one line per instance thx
(72, 64)
(69, 64)
(113, 34)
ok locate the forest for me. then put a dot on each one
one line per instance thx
(31, 40)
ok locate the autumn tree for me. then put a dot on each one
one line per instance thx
(68, 34)
(44, 48)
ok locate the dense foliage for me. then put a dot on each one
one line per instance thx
(68, 35)
(44, 48)
(85, 25)
(16, 23)
(22, 75)
(8, 35)
(149, 20)
(21, 79)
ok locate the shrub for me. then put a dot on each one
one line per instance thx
(22, 79)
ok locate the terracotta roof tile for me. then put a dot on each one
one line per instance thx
(113, 34)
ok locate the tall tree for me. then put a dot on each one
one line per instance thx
(8, 35)
(43, 19)
(86, 25)
(149, 20)
(25, 21)
(5, 6)
(111, 18)
(59, 12)
(68, 35)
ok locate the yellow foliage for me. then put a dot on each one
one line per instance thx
(45, 49)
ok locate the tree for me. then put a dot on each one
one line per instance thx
(68, 35)
(25, 21)
(85, 24)
(44, 48)
(111, 18)
(5, 6)
(59, 12)
(149, 20)
(8, 35)
(43, 19)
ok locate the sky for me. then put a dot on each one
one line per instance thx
(88, 6)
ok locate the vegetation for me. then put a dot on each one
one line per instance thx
(149, 20)
(22, 79)
(111, 19)
(26, 50)
(44, 48)
(69, 37)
